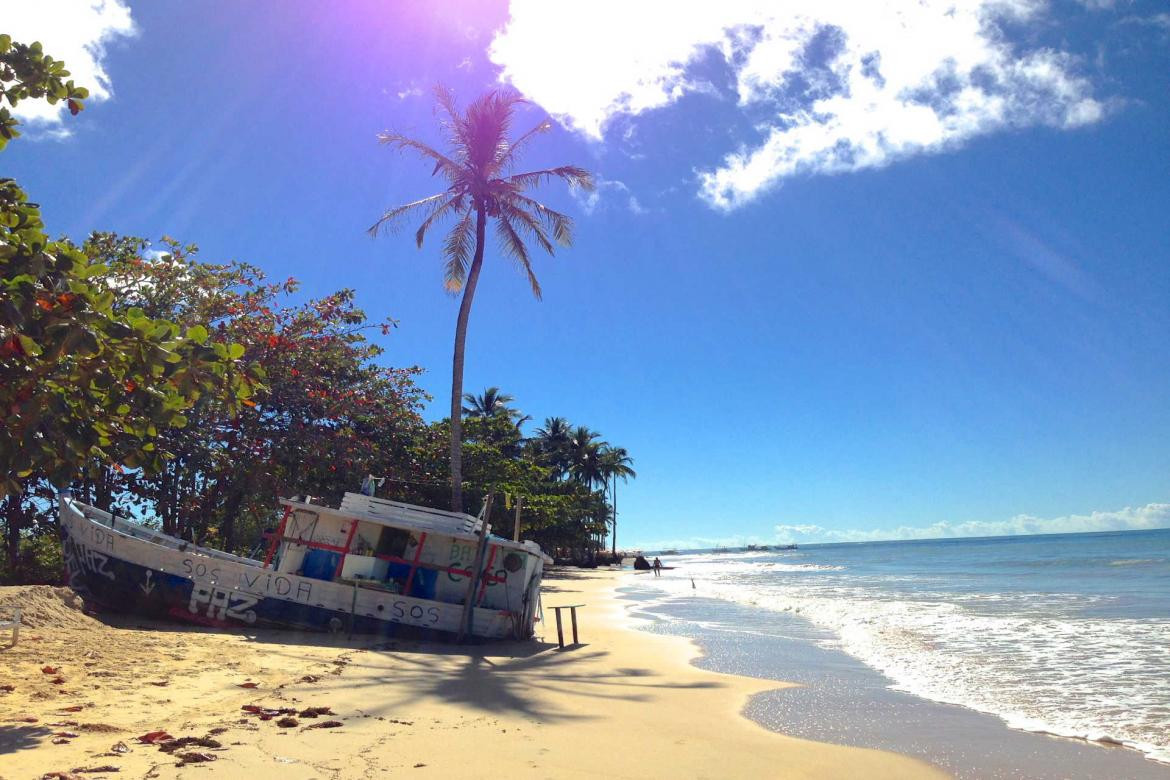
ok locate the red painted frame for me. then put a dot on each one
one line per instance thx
(277, 537)
(488, 577)
(345, 550)
(422, 539)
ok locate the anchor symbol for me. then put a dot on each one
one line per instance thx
(149, 586)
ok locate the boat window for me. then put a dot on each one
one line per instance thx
(393, 542)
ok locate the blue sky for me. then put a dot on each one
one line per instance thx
(843, 279)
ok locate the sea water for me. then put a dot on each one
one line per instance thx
(1064, 634)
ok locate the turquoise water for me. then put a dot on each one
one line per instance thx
(1065, 634)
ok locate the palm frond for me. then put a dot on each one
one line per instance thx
(571, 174)
(560, 225)
(507, 154)
(514, 247)
(387, 220)
(529, 223)
(454, 123)
(452, 170)
(449, 206)
(457, 248)
(488, 119)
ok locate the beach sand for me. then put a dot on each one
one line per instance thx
(623, 703)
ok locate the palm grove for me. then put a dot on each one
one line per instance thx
(196, 393)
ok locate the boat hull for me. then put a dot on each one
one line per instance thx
(113, 568)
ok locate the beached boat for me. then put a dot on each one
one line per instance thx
(371, 566)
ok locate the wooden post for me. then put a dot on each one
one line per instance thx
(353, 608)
(465, 620)
(560, 633)
(516, 526)
(15, 627)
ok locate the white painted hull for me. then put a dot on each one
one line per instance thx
(125, 566)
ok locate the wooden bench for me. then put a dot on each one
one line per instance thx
(13, 624)
(573, 613)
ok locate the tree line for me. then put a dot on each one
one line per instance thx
(193, 394)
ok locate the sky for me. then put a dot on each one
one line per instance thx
(853, 270)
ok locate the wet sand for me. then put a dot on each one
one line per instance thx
(624, 703)
(841, 700)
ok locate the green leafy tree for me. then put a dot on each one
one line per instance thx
(78, 380)
(27, 72)
(326, 416)
(481, 186)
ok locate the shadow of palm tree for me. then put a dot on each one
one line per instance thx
(488, 681)
(14, 738)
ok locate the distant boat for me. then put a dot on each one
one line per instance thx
(758, 548)
(366, 567)
(720, 550)
(786, 546)
(670, 552)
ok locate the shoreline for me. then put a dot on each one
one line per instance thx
(859, 707)
(624, 703)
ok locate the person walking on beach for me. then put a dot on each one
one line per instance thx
(657, 567)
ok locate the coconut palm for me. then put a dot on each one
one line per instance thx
(552, 443)
(584, 455)
(488, 404)
(481, 186)
(491, 403)
(616, 463)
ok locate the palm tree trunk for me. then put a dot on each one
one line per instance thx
(614, 551)
(457, 364)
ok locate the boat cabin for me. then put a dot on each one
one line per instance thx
(400, 548)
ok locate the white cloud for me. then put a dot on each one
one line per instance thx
(843, 85)
(1160, 20)
(1129, 519)
(75, 31)
(603, 191)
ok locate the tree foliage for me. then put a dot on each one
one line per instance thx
(79, 379)
(27, 72)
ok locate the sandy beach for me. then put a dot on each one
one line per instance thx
(624, 703)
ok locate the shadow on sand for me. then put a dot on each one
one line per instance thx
(505, 678)
(21, 737)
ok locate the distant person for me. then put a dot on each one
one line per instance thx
(657, 567)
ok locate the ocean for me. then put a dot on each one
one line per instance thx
(1066, 634)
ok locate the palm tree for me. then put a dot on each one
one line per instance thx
(490, 403)
(478, 170)
(552, 442)
(616, 462)
(584, 451)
